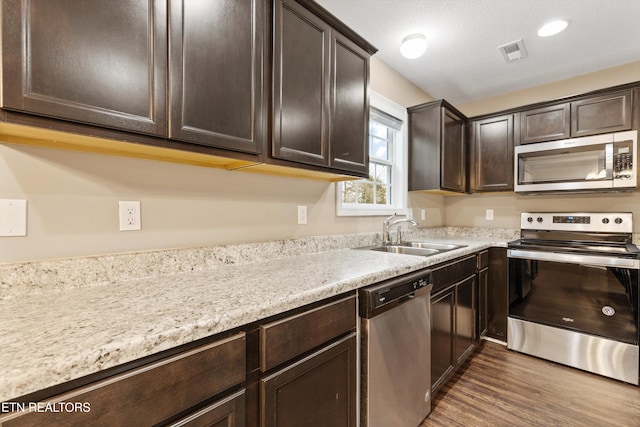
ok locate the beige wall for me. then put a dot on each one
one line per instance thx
(73, 199)
(586, 83)
(470, 210)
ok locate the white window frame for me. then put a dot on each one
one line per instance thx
(398, 171)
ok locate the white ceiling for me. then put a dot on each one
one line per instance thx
(463, 63)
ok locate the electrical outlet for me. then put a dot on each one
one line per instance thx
(129, 213)
(302, 214)
(13, 217)
(489, 214)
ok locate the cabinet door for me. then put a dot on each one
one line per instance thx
(442, 336)
(601, 114)
(216, 56)
(229, 412)
(483, 281)
(319, 390)
(465, 336)
(349, 145)
(424, 148)
(453, 161)
(545, 124)
(301, 69)
(497, 294)
(492, 162)
(87, 61)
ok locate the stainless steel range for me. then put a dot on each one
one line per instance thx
(573, 292)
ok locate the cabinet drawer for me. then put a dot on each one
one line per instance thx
(290, 337)
(453, 272)
(150, 394)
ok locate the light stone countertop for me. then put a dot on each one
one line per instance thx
(56, 335)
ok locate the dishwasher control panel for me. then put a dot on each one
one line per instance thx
(378, 297)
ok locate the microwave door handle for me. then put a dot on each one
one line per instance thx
(608, 160)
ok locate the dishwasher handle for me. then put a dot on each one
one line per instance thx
(406, 298)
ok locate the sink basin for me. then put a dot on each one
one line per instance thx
(407, 250)
(429, 245)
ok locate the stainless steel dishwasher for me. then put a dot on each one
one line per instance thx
(396, 351)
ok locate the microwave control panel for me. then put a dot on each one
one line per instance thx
(623, 160)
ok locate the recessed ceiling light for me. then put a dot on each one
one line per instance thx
(413, 46)
(552, 28)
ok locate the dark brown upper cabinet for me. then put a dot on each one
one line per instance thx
(545, 124)
(217, 80)
(87, 61)
(601, 114)
(491, 164)
(320, 81)
(581, 116)
(437, 152)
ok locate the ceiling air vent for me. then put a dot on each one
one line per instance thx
(513, 51)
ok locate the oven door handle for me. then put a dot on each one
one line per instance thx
(604, 261)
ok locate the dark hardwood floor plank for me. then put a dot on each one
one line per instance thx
(500, 387)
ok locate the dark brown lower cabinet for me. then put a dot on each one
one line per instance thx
(153, 393)
(465, 309)
(453, 317)
(319, 390)
(497, 294)
(442, 335)
(483, 283)
(482, 301)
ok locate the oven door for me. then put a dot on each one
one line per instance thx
(590, 294)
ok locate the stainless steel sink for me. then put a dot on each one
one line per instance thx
(416, 248)
(430, 245)
(407, 250)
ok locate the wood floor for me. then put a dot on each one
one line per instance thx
(499, 387)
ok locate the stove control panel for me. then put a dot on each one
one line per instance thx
(617, 222)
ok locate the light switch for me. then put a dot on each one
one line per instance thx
(13, 217)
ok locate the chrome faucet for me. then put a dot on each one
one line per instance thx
(390, 222)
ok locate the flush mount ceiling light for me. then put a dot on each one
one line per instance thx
(552, 28)
(413, 46)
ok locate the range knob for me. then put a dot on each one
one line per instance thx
(539, 219)
(618, 220)
(605, 220)
(530, 219)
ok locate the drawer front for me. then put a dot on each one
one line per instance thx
(150, 394)
(453, 272)
(290, 337)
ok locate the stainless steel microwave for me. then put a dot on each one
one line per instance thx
(592, 163)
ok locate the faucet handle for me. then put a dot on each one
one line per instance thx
(387, 220)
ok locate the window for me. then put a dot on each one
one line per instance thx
(384, 192)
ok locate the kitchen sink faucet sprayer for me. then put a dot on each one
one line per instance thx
(390, 222)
